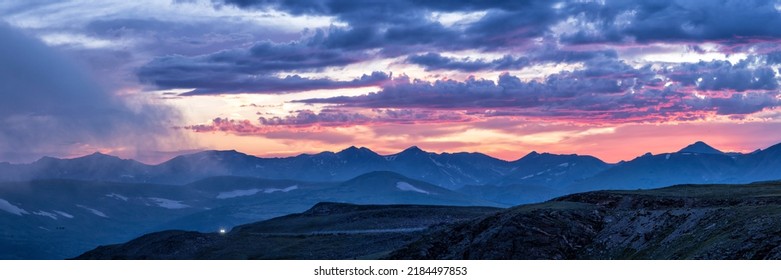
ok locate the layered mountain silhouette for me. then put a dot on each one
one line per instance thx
(446, 170)
(543, 172)
(63, 207)
(680, 222)
(60, 218)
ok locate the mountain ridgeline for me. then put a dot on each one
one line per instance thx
(63, 207)
(534, 177)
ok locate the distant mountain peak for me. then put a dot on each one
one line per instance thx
(223, 153)
(412, 151)
(99, 155)
(351, 148)
(533, 154)
(355, 151)
(91, 157)
(700, 147)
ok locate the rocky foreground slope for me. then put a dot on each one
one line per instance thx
(680, 222)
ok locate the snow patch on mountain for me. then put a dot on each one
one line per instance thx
(273, 190)
(168, 204)
(117, 196)
(45, 214)
(93, 211)
(404, 186)
(249, 192)
(237, 193)
(66, 215)
(10, 208)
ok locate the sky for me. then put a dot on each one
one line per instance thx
(613, 79)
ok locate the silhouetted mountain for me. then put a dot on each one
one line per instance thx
(762, 165)
(532, 178)
(664, 170)
(552, 170)
(97, 166)
(59, 218)
(700, 147)
(447, 170)
(697, 163)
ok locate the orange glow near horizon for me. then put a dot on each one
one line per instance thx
(624, 142)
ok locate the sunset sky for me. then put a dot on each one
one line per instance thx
(614, 79)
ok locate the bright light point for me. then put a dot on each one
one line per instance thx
(223, 231)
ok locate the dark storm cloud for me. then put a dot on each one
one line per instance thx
(50, 106)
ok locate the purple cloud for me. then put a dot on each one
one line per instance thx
(606, 89)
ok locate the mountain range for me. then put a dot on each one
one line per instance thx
(60, 218)
(680, 222)
(541, 175)
(59, 208)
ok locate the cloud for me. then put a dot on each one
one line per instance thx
(670, 20)
(52, 107)
(606, 90)
(253, 70)
(328, 118)
(543, 54)
(435, 61)
(262, 58)
(720, 75)
(527, 33)
(402, 26)
(272, 85)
